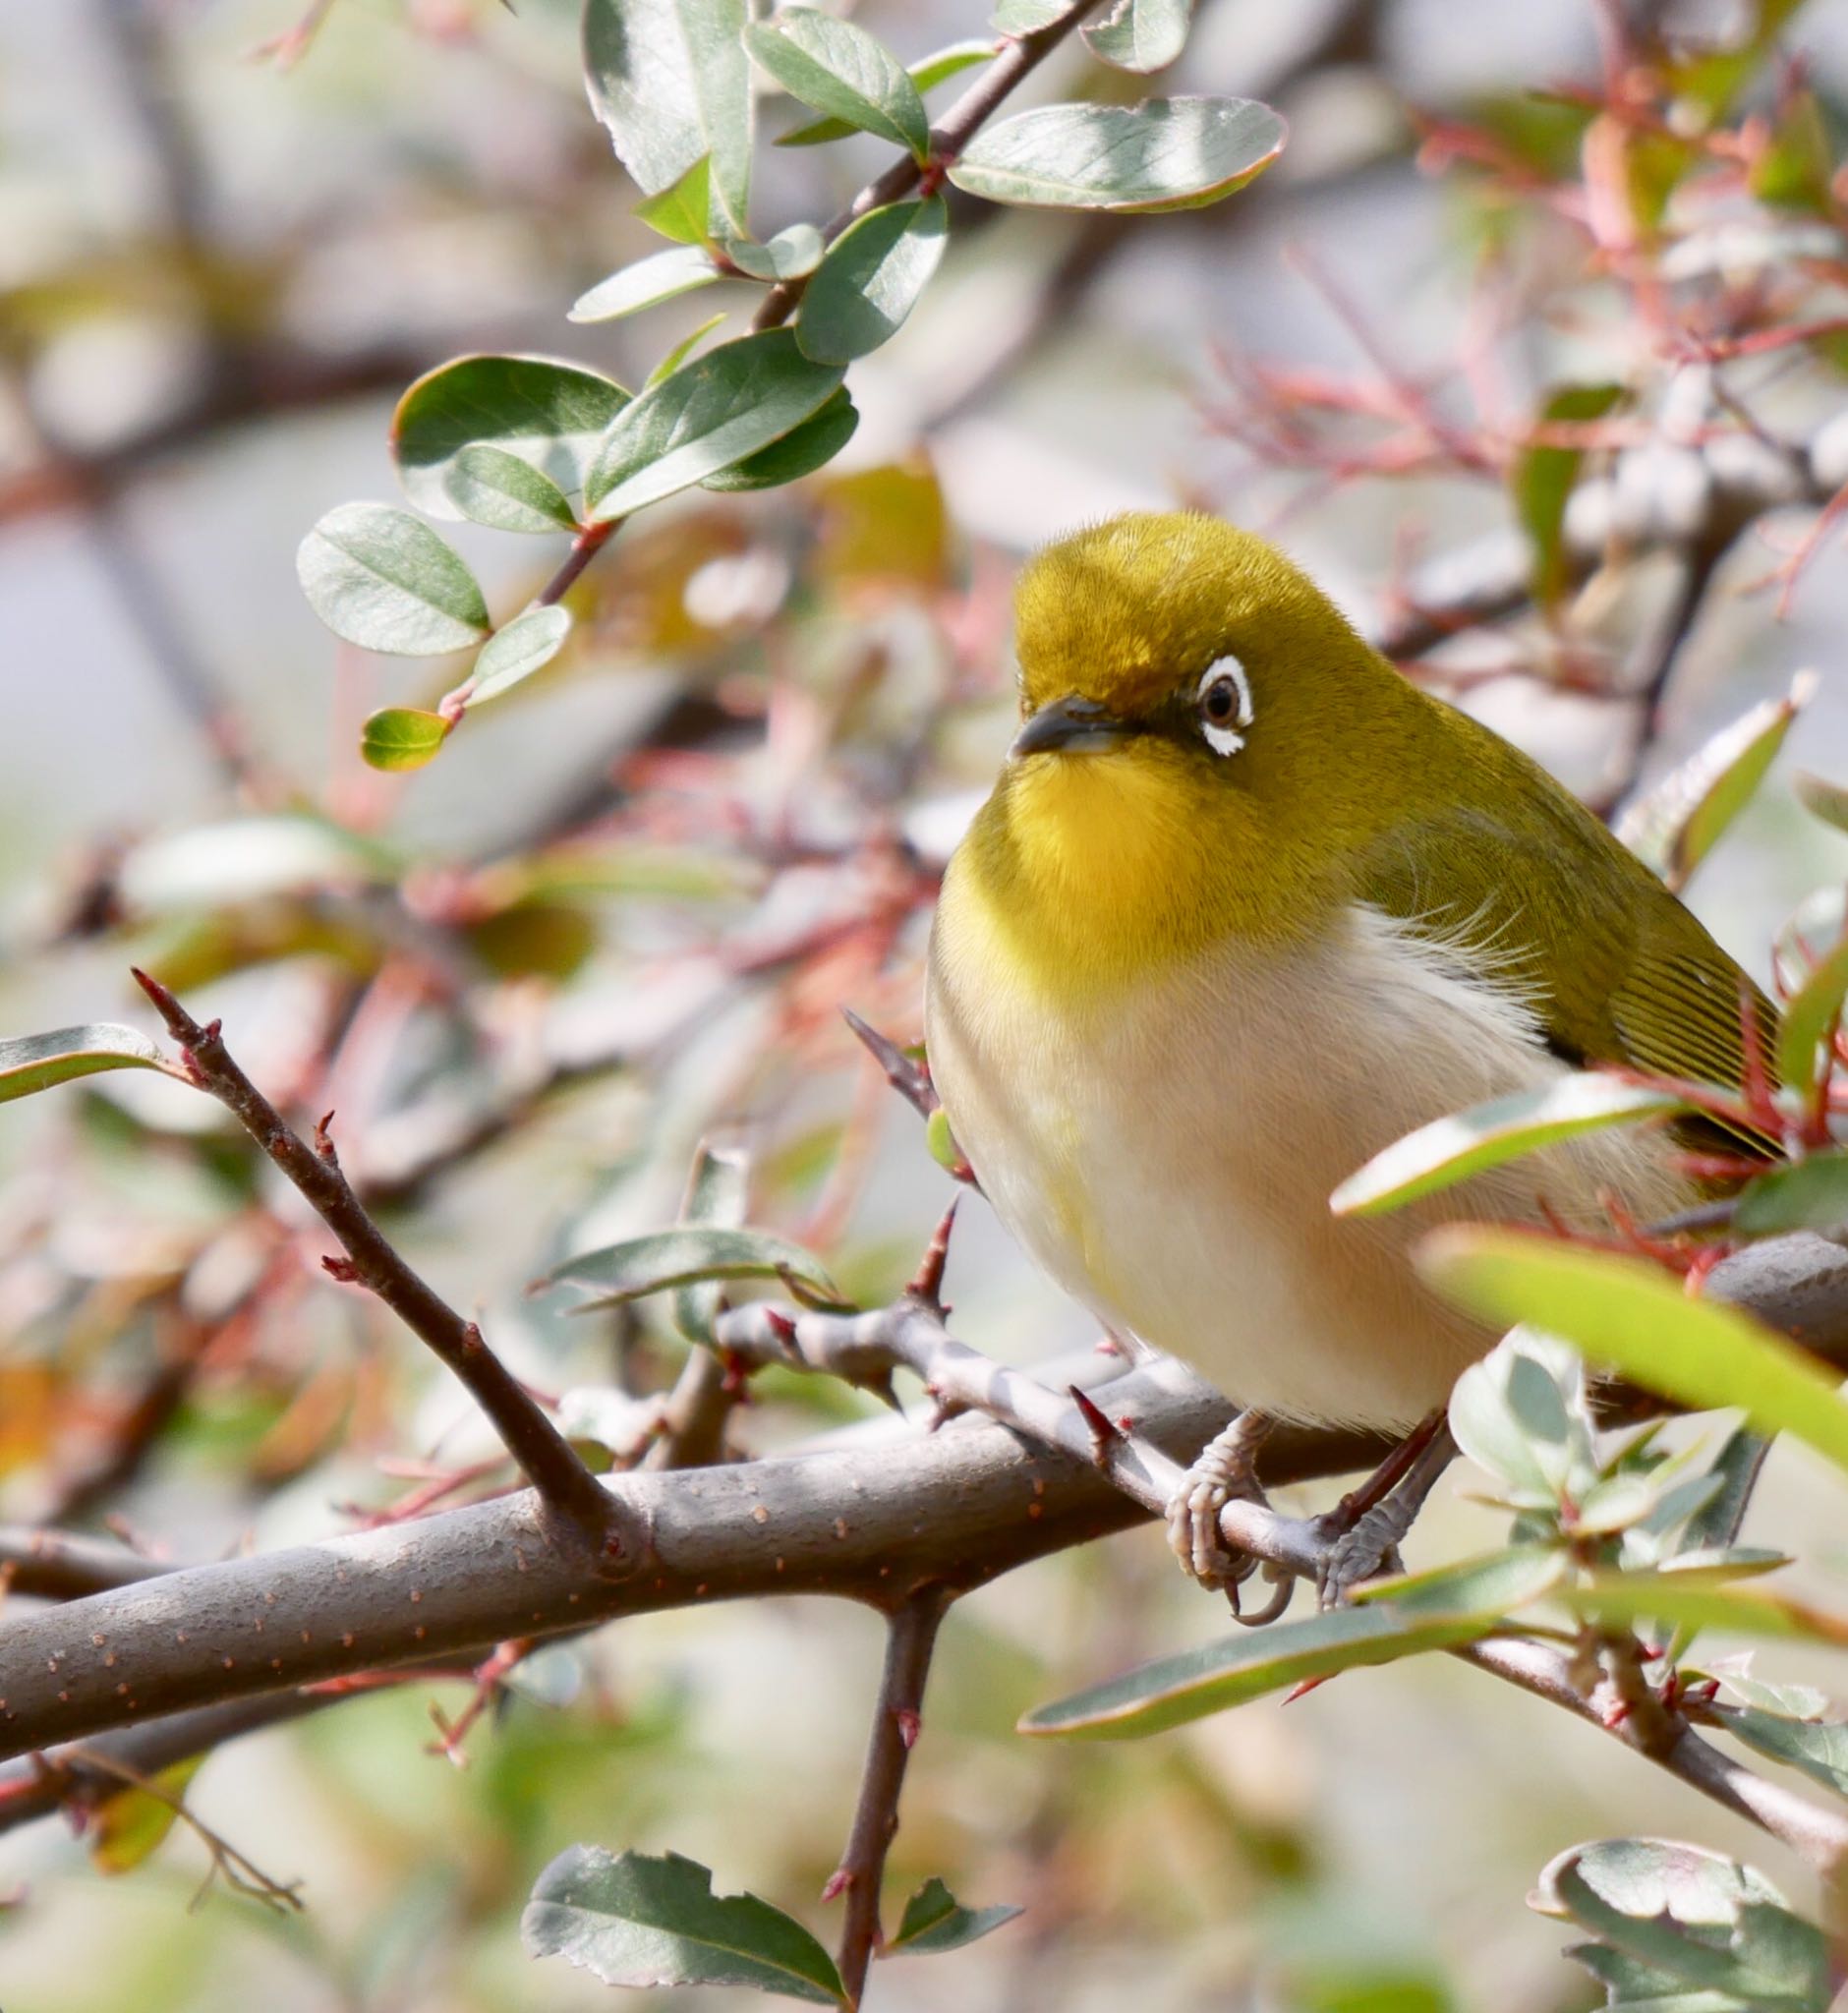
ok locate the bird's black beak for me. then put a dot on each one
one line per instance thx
(1074, 725)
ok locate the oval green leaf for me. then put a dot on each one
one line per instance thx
(402, 737)
(1628, 1315)
(711, 414)
(1451, 1149)
(382, 579)
(491, 487)
(669, 80)
(1174, 153)
(31, 1062)
(871, 279)
(665, 1260)
(658, 277)
(548, 413)
(838, 69)
(646, 1922)
(1141, 35)
(926, 75)
(812, 445)
(789, 255)
(516, 650)
(1543, 478)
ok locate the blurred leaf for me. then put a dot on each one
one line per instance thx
(382, 579)
(1521, 1415)
(1827, 800)
(1437, 1611)
(1709, 78)
(1736, 1469)
(1698, 1596)
(1794, 170)
(925, 76)
(1542, 480)
(1817, 1746)
(660, 276)
(715, 1196)
(1810, 1016)
(1628, 1315)
(1807, 934)
(244, 859)
(789, 255)
(491, 487)
(639, 1921)
(683, 349)
(839, 69)
(127, 1825)
(686, 1256)
(1023, 16)
(883, 526)
(602, 1417)
(1673, 829)
(1141, 35)
(534, 940)
(548, 413)
(1809, 1194)
(1452, 1148)
(1693, 1915)
(1654, 165)
(811, 446)
(871, 279)
(710, 415)
(683, 212)
(934, 1920)
(516, 650)
(1645, 1989)
(1174, 153)
(670, 80)
(31, 1063)
(402, 737)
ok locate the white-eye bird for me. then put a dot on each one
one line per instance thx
(1245, 906)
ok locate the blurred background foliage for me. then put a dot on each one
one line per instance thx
(625, 908)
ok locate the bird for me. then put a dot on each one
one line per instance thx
(1245, 906)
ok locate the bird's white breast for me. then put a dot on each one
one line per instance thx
(1168, 1157)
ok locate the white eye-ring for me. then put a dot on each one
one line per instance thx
(1224, 698)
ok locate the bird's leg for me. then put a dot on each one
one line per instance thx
(1225, 1472)
(1364, 1529)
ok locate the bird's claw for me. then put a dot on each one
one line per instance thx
(1225, 1472)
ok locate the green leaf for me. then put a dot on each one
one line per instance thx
(1809, 1194)
(1436, 1612)
(935, 1920)
(871, 279)
(683, 212)
(1174, 153)
(710, 415)
(1699, 1918)
(1736, 1469)
(670, 80)
(715, 1196)
(640, 1921)
(1698, 1596)
(791, 254)
(1521, 1415)
(1141, 35)
(1810, 1016)
(1794, 170)
(660, 276)
(382, 579)
(1628, 1315)
(128, 1824)
(1817, 1746)
(550, 414)
(1542, 480)
(842, 71)
(516, 650)
(812, 445)
(491, 487)
(926, 75)
(1673, 829)
(402, 737)
(248, 859)
(681, 350)
(35, 1062)
(1025, 17)
(1450, 1149)
(1827, 800)
(662, 1260)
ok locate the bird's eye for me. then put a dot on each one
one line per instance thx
(1223, 700)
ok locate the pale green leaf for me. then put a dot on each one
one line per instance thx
(516, 650)
(838, 69)
(926, 75)
(683, 212)
(491, 487)
(1810, 1017)
(1141, 35)
(660, 276)
(1809, 1194)
(1817, 1746)
(399, 737)
(1827, 800)
(871, 279)
(382, 579)
(1025, 17)
(791, 254)
(31, 1063)
(1175, 153)
(715, 1194)
(662, 1260)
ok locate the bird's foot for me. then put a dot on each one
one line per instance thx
(1226, 1471)
(1359, 1539)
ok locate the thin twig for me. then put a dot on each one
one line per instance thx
(544, 1456)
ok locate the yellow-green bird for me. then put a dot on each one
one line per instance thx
(1245, 906)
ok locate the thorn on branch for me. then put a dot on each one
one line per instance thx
(323, 1139)
(906, 1075)
(342, 1269)
(926, 1287)
(1103, 1430)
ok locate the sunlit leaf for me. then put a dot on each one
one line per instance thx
(871, 279)
(683, 349)
(1521, 1415)
(31, 1062)
(245, 859)
(670, 80)
(1810, 1016)
(491, 487)
(660, 276)
(1795, 171)
(789, 255)
(1175, 153)
(926, 75)
(811, 446)
(711, 414)
(130, 1823)
(646, 1922)
(661, 1260)
(1809, 1194)
(548, 413)
(1141, 35)
(516, 650)
(1817, 1746)
(1673, 829)
(1542, 481)
(684, 211)
(1024, 17)
(1451, 1149)
(1628, 1315)
(935, 1920)
(838, 69)
(382, 579)
(1700, 1597)
(402, 737)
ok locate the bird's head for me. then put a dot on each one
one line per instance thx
(1200, 726)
